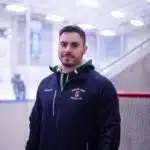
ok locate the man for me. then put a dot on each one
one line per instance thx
(76, 108)
(18, 87)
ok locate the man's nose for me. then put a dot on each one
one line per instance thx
(68, 48)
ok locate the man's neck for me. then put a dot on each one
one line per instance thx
(69, 69)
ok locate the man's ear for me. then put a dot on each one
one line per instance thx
(85, 49)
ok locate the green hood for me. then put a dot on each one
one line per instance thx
(65, 77)
(86, 64)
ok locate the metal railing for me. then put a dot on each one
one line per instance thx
(125, 55)
(135, 120)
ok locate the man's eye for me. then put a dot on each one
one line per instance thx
(64, 44)
(74, 45)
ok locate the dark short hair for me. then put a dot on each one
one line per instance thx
(74, 28)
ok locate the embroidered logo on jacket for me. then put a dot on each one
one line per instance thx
(77, 94)
(48, 90)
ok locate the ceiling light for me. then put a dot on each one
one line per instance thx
(117, 14)
(54, 18)
(148, 0)
(16, 8)
(137, 23)
(85, 26)
(91, 3)
(108, 33)
(7, 32)
(9, 36)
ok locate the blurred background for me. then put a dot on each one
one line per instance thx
(118, 40)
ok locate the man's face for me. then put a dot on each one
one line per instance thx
(71, 49)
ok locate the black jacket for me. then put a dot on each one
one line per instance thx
(84, 113)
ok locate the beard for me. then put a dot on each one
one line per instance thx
(70, 61)
(67, 65)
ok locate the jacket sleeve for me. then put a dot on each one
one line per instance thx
(108, 118)
(35, 120)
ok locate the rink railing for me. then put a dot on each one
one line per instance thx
(135, 120)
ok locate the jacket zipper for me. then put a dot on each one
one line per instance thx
(54, 100)
(87, 146)
(58, 114)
